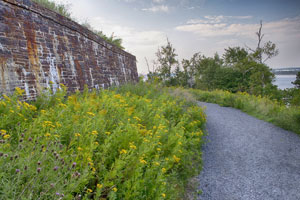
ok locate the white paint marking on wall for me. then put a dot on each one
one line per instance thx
(113, 80)
(54, 77)
(91, 74)
(72, 64)
(26, 88)
(1, 47)
(95, 48)
(121, 62)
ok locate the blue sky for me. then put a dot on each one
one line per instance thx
(205, 26)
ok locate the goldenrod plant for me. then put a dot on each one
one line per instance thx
(133, 142)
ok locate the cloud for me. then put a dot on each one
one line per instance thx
(158, 1)
(140, 43)
(161, 8)
(218, 29)
(213, 26)
(216, 19)
(129, 1)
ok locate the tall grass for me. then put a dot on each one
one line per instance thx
(287, 117)
(64, 10)
(59, 8)
(133, 142)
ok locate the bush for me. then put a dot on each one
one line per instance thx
(272, 111)
(133, 142)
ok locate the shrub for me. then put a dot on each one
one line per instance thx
(133, 142)
(272, 111)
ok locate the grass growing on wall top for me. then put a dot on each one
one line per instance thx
(63, 9)
(287, 117)
(59, 8)
(133, 142)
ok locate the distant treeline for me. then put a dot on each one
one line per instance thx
(286, 71)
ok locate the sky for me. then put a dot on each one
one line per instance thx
(192, 26)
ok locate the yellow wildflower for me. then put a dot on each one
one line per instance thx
(136, 118)
(6, 97)
(163, 195)
(132, 146)
(103, 112)
(107, 133)
(47, 135)
(123, 151)
(115, 189)
(89, 190)
(99, 186)
(145, 140)
(79, 149)
(163, 170)
(117, 96)
(91, 114)
(96, 143)
(19, 91)
(130, 110)
(77, 134)
(156, 163)
(89, 159)
(143, 161)
(3, 131)
(33, 108)
(94, 132)
(6, 136)
(158, 149)
(176, 158)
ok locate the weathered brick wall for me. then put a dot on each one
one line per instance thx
(40, 48)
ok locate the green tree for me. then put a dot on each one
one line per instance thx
(234, 55)
(166, 59)
(264, 52)
(297, 81)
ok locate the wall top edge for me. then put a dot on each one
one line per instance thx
(68, 23)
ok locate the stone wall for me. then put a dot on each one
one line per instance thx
(40, 48)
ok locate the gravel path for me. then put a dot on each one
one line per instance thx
(246, 158)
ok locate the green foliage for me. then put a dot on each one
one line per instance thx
(166, 57)
(239, 69)
(112, 39)
(133, 142)
(287, 117)
(56, 7)
(65, 11)
(297, 81)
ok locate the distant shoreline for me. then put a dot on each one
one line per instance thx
(286, 71)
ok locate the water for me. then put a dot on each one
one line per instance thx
(284, 81)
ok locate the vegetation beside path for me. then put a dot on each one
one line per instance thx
(286, 117)
(132, 142)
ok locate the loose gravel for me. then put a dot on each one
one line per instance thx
(248, 159)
